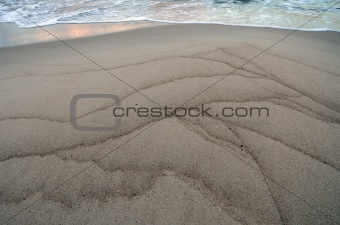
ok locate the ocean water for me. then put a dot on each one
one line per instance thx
(264, 13)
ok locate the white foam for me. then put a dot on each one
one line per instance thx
(267, 13)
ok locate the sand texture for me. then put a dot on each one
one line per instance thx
(281, 169)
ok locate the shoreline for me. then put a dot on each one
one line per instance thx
(64, 31)
(174, 22)
(13, 35)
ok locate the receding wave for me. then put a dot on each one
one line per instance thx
(266, 13)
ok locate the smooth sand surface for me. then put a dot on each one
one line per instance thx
(12, 35)
(281, 169)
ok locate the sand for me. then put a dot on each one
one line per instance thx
(12, 35)
(276, 169)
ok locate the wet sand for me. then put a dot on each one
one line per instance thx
(276, 169)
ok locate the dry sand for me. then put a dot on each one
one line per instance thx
(281, 169)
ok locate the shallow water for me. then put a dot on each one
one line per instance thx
(269, 13)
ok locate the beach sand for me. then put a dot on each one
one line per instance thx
(276, 169)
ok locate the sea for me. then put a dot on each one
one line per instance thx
(262, 13)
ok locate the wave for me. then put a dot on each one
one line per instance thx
(268, 13)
